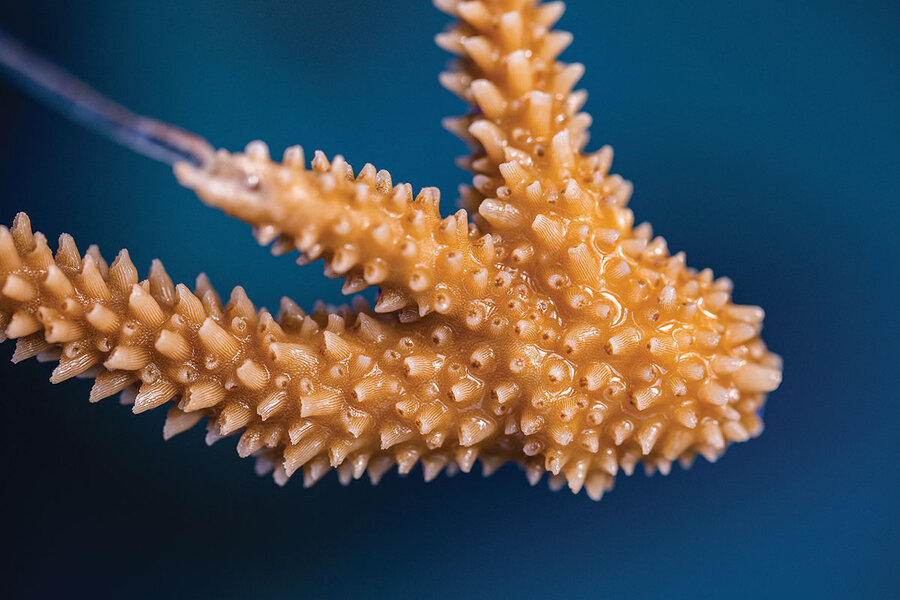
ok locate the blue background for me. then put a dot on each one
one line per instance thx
(763, 139)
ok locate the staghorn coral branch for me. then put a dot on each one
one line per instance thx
(283, 383)
(366, 228)
(525, 120)
(351, 391)
(565, 339)
(356, 391)
(508, 72)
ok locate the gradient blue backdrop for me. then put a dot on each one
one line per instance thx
(762, 138)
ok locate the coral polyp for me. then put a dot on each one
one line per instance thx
(548, 330)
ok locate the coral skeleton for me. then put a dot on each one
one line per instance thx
(547, 330)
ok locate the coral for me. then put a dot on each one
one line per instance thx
(550, 332)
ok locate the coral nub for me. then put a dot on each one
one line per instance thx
(549, 332)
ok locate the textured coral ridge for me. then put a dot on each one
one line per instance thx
(551, 332)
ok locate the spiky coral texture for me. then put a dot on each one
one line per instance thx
(551, 332)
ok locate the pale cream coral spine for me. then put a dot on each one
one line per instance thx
(551, 332)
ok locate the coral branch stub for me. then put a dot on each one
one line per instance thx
(549, 331)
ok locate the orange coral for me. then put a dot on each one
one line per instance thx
(551, 333)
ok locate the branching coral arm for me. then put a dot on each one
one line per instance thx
(369, 230)
(564, 339)
(306, 391)
(366, 228)
(551, 205)
(525, 118)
